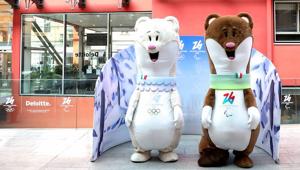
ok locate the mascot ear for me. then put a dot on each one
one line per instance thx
(139, 21)
(247, 18)
(210, 19)
(174, 22)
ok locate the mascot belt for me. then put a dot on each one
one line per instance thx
(156, 84)
(236, 81)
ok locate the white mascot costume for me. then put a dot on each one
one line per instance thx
(154, 116)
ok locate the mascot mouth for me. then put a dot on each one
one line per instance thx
(154, 56)
(230, 54)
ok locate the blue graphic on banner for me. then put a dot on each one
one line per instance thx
(192, 75)
(118, 79)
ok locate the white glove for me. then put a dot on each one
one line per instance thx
(206, 116)
(254, 117)
(178, 117)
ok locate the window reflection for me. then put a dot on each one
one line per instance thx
(64, 53)
(290, 107)
(286, 17)
(42, 54)
(286, 20)
(5, 49)
(122, 27)
(86, 51)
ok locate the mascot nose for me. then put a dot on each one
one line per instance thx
(230, 45)
(151, 47)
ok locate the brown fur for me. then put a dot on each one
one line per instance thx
(223, 30)
(210, 98)
(228, 28)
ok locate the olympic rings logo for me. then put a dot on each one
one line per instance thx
(153, 111)
(9, 109)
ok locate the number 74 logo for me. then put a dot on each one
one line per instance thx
(229, 97)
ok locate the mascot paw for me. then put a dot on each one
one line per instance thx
(138, 157)
(178, 118)
(206, 116)
(168, 156)
(254, 117)
(243, 161)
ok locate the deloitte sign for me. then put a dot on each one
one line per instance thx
(87, 54)
(37, 103)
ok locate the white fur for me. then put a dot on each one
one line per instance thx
(229, 128)
(246, 19)
(167, 27)
(167, 45)
(222, 63)
(211, 20)
(231, 123)
(162, 131)
(163, 66)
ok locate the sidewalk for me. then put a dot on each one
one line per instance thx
(71, 149)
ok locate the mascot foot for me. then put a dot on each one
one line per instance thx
(212, 157)
(168, 156)
(242, 160)
(138, 157)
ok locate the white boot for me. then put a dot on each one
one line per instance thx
(140, 156)
(168, 156)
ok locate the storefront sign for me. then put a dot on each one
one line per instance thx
(87, 54)
(37, 103)
(37, 106)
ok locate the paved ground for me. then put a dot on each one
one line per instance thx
(71, 149)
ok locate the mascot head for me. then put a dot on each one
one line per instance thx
(229, 42)
(157, 46)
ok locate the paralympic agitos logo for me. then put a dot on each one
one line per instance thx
(229, 97)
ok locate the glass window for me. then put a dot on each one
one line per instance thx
(64, 53)
(290, 106)
(286, 17)
(287, 21)
(86, 51)
(43, 52)
(5, 49)
(122, 27)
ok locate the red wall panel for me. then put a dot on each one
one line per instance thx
(287, 61)
(60, 6)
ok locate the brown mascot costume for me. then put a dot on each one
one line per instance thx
(230, 118)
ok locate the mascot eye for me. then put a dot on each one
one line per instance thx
(150, 38)
(156, 38)
(225, 33)
(233, 33)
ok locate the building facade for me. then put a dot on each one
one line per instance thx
(56, 49)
